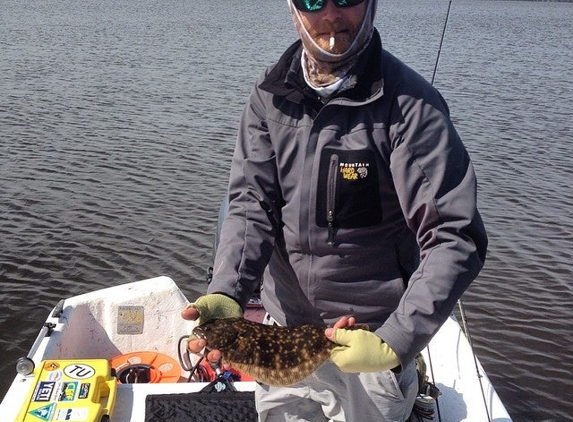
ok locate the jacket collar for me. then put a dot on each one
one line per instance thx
(365, 79)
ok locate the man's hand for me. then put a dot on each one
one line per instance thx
(209, 307)
(212, 306)
(345, 322)
(360, 350)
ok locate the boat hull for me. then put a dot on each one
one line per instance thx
(145, 315)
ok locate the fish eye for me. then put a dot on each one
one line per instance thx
(199, 332)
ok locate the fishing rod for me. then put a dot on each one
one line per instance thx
(441, 42)
(460, 303)
(432, 83)
(469, 337)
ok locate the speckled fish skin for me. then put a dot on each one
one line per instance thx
(273, 355)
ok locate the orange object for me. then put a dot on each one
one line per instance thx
(145, 367)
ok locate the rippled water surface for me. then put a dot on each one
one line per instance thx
(117, 121)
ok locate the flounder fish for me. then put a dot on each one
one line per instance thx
(271, 354)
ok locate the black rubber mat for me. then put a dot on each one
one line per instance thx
(235, 406)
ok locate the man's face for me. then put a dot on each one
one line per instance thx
(343, 22)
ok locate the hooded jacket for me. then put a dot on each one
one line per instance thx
(362, 205)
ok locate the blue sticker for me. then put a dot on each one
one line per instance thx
(44, 391)
(84, 391)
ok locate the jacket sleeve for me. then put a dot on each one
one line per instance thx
(436, 186)
(247, 234)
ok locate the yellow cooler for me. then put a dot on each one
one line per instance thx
(71, 390)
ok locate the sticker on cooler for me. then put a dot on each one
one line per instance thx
(44, 391)
(68, 391)
(84, 391)
(44, 413)
(79, 371)
(72, 414)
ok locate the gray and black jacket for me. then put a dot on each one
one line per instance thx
(364, 205)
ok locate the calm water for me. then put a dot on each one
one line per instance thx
(117, 122)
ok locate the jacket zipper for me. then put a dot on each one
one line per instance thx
(331, 197)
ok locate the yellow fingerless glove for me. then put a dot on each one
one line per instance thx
(362, 351)
(216, 306)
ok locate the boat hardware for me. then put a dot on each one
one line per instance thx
(25, 365)
(59, 309)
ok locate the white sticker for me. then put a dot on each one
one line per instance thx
(75, 414)
(55, 376)
(79, 371)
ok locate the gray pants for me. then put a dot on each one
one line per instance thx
(331, 395)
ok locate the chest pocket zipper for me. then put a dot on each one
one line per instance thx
(331, 197)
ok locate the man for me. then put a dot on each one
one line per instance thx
(351, 187)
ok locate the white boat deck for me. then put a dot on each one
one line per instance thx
(146, 316)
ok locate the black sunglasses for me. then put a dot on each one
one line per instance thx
(316, 5)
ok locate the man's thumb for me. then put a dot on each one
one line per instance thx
(190, 313)
(330, 334)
